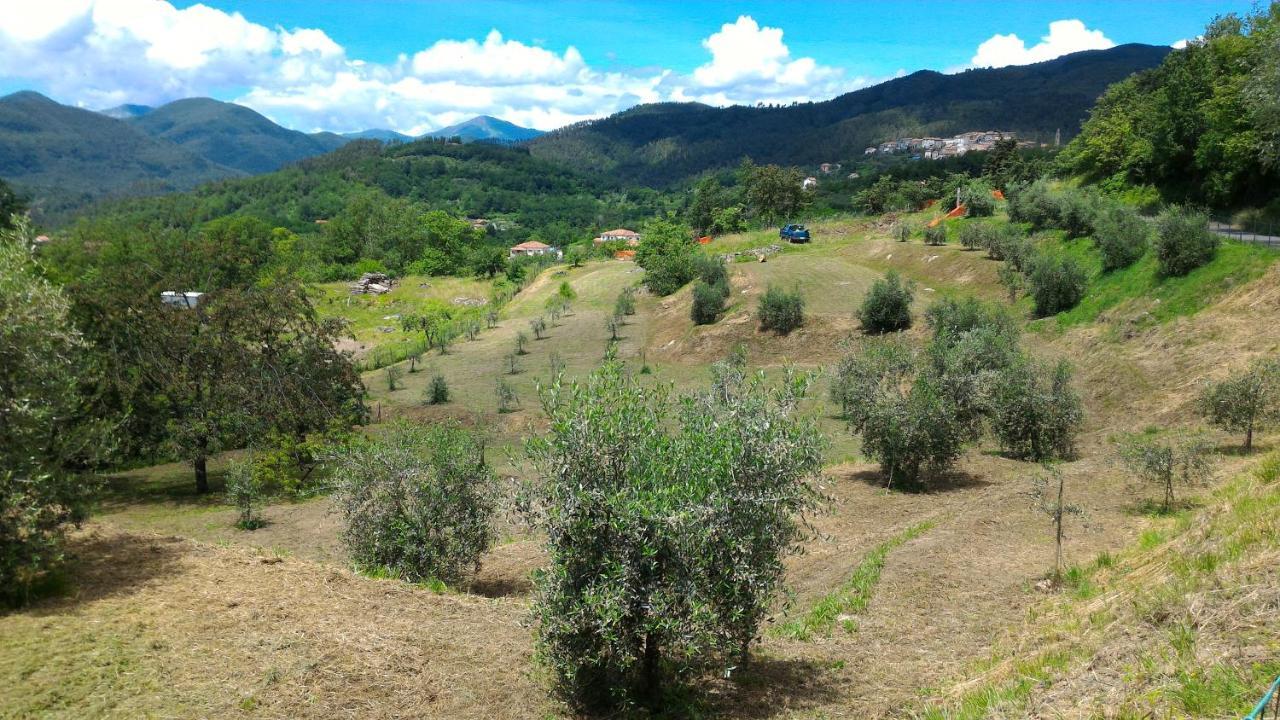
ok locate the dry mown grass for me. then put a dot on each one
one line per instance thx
(172, 627)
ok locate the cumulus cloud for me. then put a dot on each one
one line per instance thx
(97, 53)
(1065, 36)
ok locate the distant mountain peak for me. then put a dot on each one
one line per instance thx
(127, 111)
(486, 128)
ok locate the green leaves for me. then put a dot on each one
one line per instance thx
(666, 523)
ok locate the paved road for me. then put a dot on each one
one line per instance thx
(1245, 235)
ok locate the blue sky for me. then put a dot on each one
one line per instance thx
(416, 65)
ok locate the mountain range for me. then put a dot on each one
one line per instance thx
(665, 143)
(66, 158)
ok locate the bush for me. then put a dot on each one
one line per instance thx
(902, 232)
(1036, 411)
(887, 305)
(935, 234)
(949, 319)
(975, 195)
(1056, 283)
(650, 580)
(1121, 236)
(438, 391)
(708, 303)
(905, 422)
(244, 492)
(416, 502)
(976, 235)
(40, 436)
(712, 271)
(1183, 241)
(781, 311)
(626, 302)
(667, 255)
(1033, 204)
(1244, 401)
(1075, 211)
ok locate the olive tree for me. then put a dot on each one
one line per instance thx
(42, 433)
(416, 501)
(1245, 401)
(887, 305)
(1166, 461)
(1048, 496)
(1037, 413)
(666, 524)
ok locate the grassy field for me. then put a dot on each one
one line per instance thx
(912, 604)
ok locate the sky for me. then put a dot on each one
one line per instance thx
(418, 65)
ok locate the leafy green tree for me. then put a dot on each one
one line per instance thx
(438, 391)
(1037, 413)
(244, 492)
(1122, 237)
(43, 433)
(781, 311)
(1056, 283)
(773, 192)
(1183, 241)
(975, 195)
(887, 305)
(11, 205)
(708, 303)
(1244, 401)
(666, 525)
(666, 253)
(417, 502)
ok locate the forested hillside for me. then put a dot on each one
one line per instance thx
(1203, 127)
(65, 157)
(233, 135)
(664, 143)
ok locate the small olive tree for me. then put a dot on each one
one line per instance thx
(1181, 459)
(1056, 283)
(781, 311)
(1245, 401)
(1122, 237)
(666, 526)
(244, 492)
(1183, 241)
(416, 501)
(887, 305)
(1036, 412)
(1048, 495)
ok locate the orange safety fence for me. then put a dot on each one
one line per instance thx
(959, 211)
(625, 254)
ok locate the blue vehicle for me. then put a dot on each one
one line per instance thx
(794, 233)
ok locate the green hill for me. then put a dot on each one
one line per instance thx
(663, 143)
(65, 157)
(232, 135)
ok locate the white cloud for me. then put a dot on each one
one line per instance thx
(1065, 36)
(98, 53)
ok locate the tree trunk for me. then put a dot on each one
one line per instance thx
(1248, 438)
(650, 668)
(202, 474)
(1057, 563)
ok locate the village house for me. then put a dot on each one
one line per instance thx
(630, 237)
(533, 248)
(809, 183)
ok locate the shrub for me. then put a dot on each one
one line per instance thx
(781, 311)
(438, 391)
(708, 303)
(666, 530)
(887, 305)
(1183, 241)
(976, 235)
(40, 436)
(416, 502)
(1056, 283)
(712, 271)
(976, 197)
(905, 422)
(394, 373)
(1011, 280)
(1033, 204)
(626, 302)
(1245, 401)
(508, 401)
(243, 491)
(1166, 461)
(1075, 211)
(949, 319)
(1121, 236)
(902, 232)
(1036, 411)
(935, 234)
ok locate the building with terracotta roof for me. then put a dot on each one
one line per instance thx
(532, 247)
(630, 237)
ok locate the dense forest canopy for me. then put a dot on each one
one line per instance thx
(1203, 127)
